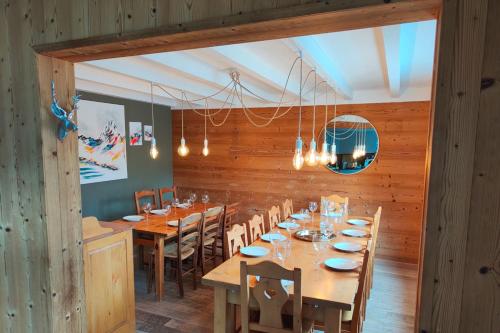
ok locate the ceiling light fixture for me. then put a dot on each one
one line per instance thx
(324, 157)
(312, 154)
(298, 159)
(153, 151)
(205, 150)
(333, 152)
(183, 150)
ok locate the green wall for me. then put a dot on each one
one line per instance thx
(114, 199)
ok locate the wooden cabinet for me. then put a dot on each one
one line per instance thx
(109, 277)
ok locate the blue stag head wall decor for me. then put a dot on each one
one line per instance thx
(65, 119)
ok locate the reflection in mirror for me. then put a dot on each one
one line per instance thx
(356, 143)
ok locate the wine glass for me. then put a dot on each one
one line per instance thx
(205, 198)
(313, 206)
(147, 209)
(192, 197)
(318, 245)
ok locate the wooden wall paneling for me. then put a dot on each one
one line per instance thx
(462, 32)
(481, 290)
(253, 165)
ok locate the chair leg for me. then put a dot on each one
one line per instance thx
(202, 256)
(195, 270)
(214, 253)
(179, 277)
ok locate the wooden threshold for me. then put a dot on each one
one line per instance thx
(308, 19)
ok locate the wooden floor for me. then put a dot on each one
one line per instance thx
(390, 309)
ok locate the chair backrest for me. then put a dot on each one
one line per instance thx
(211, 223)
(165, 190)
(231, 212)
(141, 196)
(235, 239)
(274, 217)
(188, 236)
(339, 201)
(271, 295)
(287, 208)
(360, 297)
(255, 227)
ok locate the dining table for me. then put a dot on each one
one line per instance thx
(161, 232)
(325, 292)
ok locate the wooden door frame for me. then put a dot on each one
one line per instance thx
(313, 19)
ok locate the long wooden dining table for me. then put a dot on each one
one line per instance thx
(156, 225)
(326, 293)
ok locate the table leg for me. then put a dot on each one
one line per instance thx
(333, 320)
(223, 312)
(159, 263)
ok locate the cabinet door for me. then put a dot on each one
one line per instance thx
(109, 284)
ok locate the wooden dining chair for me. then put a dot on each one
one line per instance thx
(235, 239)
(269, 296)
(373, 247)
(145, 195)
(209, 232)
(164, 191)
(184, 247)
(352, 320)
(274, 217)
(287, 208)
(255, 228)
(338, 201)
(230, 217)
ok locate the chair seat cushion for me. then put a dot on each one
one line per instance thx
(170, 251)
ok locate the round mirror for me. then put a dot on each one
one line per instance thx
(356, 143)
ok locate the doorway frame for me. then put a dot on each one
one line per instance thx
(313, 19)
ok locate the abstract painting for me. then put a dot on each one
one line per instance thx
(135, 133)
(148, 132)
(101, 142)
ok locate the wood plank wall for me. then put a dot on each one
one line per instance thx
(254, 166)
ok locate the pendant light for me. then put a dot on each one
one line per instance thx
(183, 150)
(298, 159)
(312, 155)
(153, 151)
(205, 150)
(333, 152)
(324, 157)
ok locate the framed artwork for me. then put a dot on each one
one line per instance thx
(148, 132)
(101, 142)
(135, 133)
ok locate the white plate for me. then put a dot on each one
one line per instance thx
(182, 205)
(159, 211)
(348, 247)
(354, 233)
(273, 236)
(133, 218)
(300, 216)
(291, 225)
(254, 251)
(342, 264)
(359, 222)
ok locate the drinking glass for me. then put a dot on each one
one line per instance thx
(167, 209)
(313, 206)
(147, 209)
(205, 198)
(192, 197)
(176, 202)
(319, 244)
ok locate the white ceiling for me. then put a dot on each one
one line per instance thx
(374, 65)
